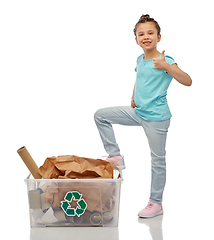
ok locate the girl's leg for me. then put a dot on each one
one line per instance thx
(156, 133)
(104, 118)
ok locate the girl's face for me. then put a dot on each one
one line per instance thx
(147, 36)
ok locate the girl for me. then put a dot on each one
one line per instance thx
(148, 109)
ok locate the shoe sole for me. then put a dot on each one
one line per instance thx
(121, 167)
(151, 216)
(121, 164)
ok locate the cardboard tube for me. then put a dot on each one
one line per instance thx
(76, 220)
(107, 217)
(29, 162)
(96, 218)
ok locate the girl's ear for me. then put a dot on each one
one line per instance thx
(159, 37)
(136, 41)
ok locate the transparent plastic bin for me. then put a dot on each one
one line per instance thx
(73, 202)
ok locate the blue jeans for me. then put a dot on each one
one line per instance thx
(156, 133)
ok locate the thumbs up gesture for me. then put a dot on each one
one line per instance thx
(160, 63)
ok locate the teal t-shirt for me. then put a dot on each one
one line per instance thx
(151, 90)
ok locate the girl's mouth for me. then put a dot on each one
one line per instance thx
(147, 43)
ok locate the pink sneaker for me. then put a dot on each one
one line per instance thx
(151, 210)
(117, 160)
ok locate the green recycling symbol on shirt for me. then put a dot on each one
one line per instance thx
(66, 207)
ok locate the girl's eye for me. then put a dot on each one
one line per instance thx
(150, 33)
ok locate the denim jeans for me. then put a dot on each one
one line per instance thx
(156, 133)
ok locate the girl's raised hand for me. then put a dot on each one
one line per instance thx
(160, 63)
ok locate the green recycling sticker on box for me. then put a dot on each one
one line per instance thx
(66, 207)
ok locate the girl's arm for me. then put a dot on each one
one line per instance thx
(178, 74)
(173, 70)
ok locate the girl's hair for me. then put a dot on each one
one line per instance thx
(144, 19)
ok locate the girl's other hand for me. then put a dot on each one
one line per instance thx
(133, 105)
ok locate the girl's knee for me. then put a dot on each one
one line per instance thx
(97, 114)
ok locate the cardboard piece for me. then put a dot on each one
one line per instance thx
(49, 217)
(34, 199)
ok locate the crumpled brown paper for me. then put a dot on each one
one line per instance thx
(71, 166)
(99, 197)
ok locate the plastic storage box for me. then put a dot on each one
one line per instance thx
(73, 202)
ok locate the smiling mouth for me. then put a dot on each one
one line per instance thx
(147, 43)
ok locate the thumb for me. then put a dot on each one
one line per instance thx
(162, 54)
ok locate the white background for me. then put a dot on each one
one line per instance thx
(60, 61)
